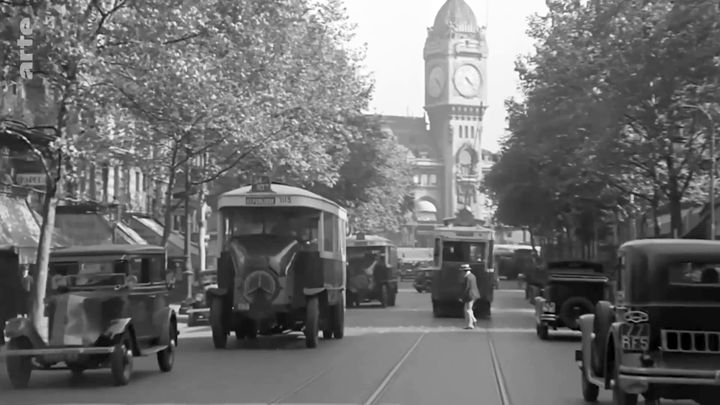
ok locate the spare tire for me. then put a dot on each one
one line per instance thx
(571, 310)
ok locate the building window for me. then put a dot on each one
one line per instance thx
(433, 179)
(416, 179)
(138, 182)
(423, 180)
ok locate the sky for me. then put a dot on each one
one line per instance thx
(395, 32)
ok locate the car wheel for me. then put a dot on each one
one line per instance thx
(481, 309)
(391, 299)
(166, 358)
(121, 361)
(76, 370)
(619, 396)
(542, 331)
(590, 391)
(338, 323)
(437, 310)
(19, 368)
(312, 315)
(384, 296)
(604, 317)
(217, 325)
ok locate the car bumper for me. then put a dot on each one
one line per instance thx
(68, 351)
(638, 379)
(199, 312)
(548, 317)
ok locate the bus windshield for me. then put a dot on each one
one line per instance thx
(470, 252)
(297, 222)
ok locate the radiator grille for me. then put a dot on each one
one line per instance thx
(688, 341)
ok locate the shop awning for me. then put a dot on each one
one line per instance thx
(152, 231)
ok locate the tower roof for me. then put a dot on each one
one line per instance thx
(457, 14)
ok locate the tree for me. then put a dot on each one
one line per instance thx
(603, 108)
(375, 181)
(59, 40)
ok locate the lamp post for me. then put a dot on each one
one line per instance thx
(713, 165)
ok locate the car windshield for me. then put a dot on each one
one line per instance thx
(472, 252)
(297, 222)
(694, 274)
(90, 272)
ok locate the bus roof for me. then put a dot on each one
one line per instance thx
(280, 195)
(368, 240)
(468, 233)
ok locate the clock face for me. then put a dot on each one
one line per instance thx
(467, 81)
(436, 81)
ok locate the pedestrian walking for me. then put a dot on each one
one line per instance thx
(470, 295)
(27, 283)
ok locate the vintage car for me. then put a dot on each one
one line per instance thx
(462, 240)
(423, 280)
(660, 337)
(371, 271)
(199, 310)
(282, 264)
(105, 305)
(570, 289)
(512, 260)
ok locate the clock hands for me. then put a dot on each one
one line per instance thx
(467, 79)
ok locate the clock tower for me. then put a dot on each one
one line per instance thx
(455, 56)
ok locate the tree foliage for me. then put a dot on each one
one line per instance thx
(619, 99)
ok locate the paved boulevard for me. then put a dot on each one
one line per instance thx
(398, 355)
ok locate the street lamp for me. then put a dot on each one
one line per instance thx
(713, 164)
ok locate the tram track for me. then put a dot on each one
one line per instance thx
(377, 392)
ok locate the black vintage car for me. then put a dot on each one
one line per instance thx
(569, 289)
(106, 305)
(660, 335)
(372, 272)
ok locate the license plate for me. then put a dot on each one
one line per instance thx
(549, 307)
(635, 338)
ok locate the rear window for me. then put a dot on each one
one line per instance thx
(694, 274)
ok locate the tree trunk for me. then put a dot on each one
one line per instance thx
(676, 225)
(188, 229)
(656, 222)
(168, 211)
(202, 228)
(43, 256)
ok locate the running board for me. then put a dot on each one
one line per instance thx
(152, 350)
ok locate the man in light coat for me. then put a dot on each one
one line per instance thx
(470, 295)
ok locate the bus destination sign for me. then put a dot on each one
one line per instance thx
(269, 201)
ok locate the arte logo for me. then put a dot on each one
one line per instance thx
(25, 42)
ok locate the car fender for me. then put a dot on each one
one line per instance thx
(539, 302)
(586, 339)
(216, 292)
(117, 327)
(23, 327)
(165, 318)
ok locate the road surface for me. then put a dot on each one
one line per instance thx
(399, 355)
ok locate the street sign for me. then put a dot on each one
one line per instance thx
(31, 179)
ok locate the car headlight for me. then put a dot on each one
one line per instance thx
(199, 297)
